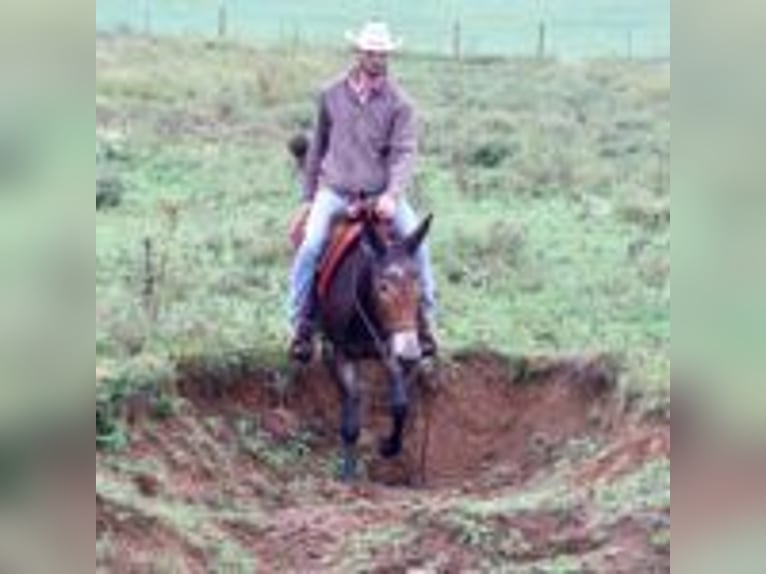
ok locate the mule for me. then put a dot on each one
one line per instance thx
(368, 308)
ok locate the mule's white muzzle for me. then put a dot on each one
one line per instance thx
(405, 345)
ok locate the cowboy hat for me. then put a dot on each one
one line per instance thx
(374, 37)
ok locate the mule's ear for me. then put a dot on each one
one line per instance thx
(374, 241)
(413, 241)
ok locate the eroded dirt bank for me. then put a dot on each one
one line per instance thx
(526, 464)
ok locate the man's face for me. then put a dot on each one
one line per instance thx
(374, 64)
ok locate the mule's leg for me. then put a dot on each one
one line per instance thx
(392, 446)
(346, 376)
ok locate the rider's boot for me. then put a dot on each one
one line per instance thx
(302, 344)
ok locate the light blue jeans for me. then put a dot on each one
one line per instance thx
(326, 206)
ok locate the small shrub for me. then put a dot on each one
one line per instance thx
(129, 335)
(109, 192)
(491, 154)
(145, 375)
(164, 406)
(279, 456)
(470, 530)
(646, 212)
(110, 433)
(502, 245)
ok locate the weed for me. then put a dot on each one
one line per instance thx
(661, 539)
(563, 564)
(647, 488)
(110, 432)
(149, 378)
(231, 558)
(469, 529)
(553, 497)
(382, 541)
(109, 192)
(279, 456)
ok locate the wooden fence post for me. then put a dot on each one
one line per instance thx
(296, 40)
(457, 40)
(459, 140)
(541, 40)
(147, 17)
(223, 18)
(149, 287)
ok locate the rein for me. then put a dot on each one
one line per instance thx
(393, 368)
(377, 339)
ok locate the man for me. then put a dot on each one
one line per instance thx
(365, 141)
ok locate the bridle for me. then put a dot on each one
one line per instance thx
(368, 217)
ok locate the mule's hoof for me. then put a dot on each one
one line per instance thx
(301, 349)
(390, 448)
(300, 356)
(348, 472)
(348, 478)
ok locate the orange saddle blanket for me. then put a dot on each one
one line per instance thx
(343, 236)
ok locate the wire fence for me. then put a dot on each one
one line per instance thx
(551, 28)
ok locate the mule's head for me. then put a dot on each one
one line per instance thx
(396, 291)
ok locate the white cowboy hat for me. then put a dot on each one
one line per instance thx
(374, 37)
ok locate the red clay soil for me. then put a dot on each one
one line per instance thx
(635, 446)
(139, 540)
(486, 412)
(491, 427)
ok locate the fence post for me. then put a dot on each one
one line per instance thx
(147, 17)
(457, 40)
(223, 20)
(296, 40)
(541, 40)
(148, 291)
(459, 140)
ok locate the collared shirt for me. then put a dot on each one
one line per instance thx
(364, 86)
(365, 138)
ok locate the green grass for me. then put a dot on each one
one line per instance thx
(551, 234)
(387, 542)
(644, 490)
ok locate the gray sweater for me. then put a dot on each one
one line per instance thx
(362, 147)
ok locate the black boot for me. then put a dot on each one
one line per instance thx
(302, 345)
(428, 345)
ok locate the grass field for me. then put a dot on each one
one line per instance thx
(575, 29)
(549, 184)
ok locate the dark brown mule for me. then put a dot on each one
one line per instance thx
(369, 310)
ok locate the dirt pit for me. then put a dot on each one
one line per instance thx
(480, 413)
(254, 459)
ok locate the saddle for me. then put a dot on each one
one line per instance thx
(343, 236)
